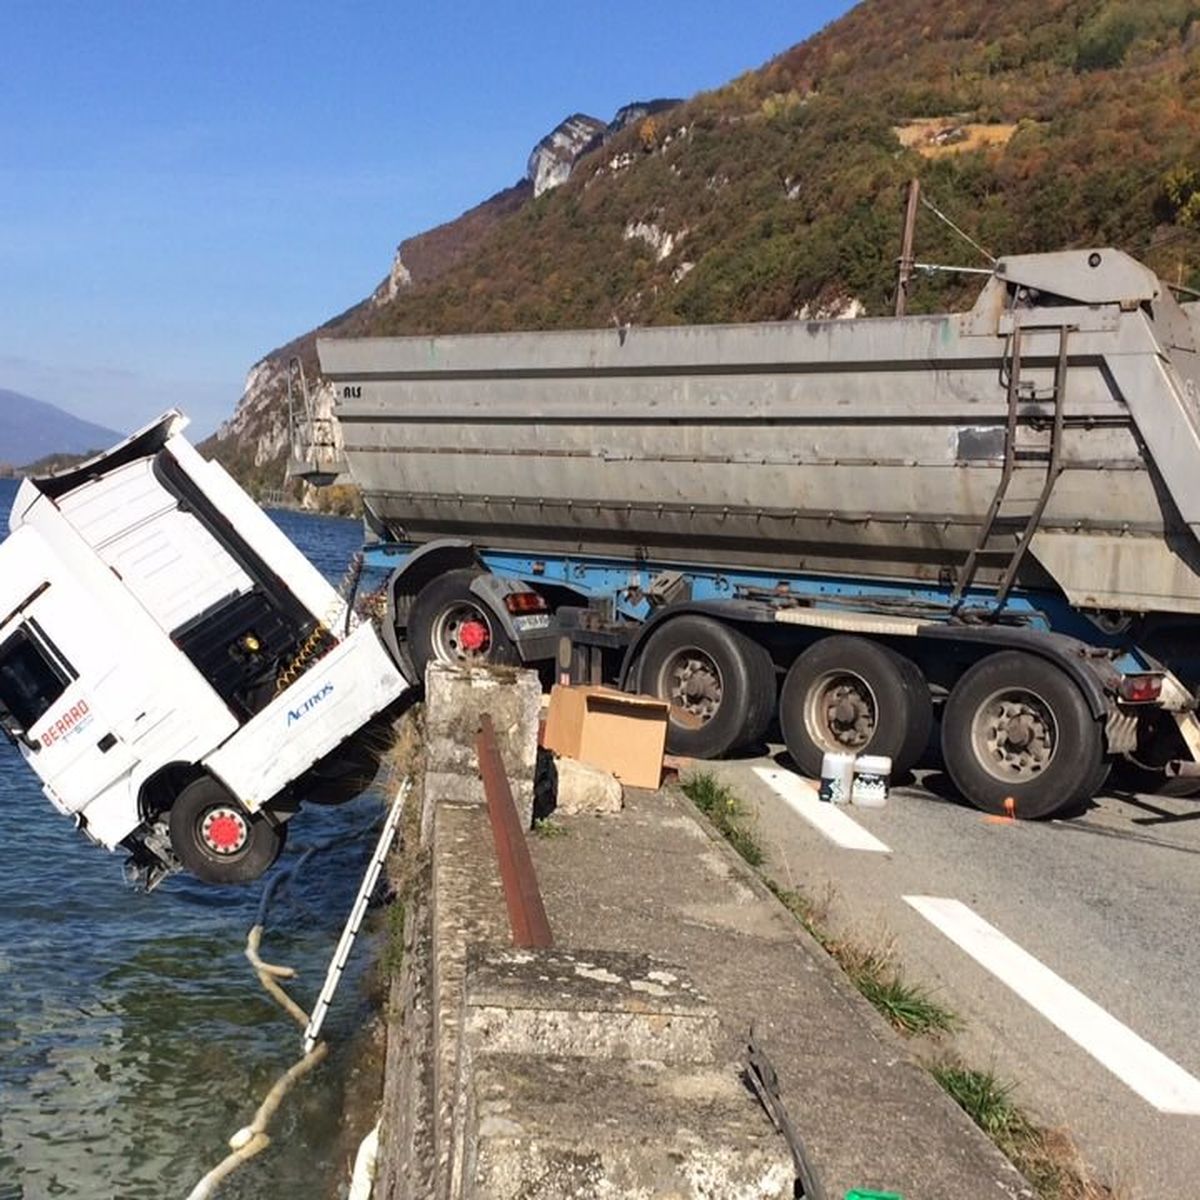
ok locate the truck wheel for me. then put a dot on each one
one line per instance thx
(1017, 735)
(450, 624)
(216, 839)
(847, 695)
(719, 683)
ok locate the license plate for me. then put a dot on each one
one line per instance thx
(537, 621)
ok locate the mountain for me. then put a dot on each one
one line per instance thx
(31, 429)
(1032, 125)
(252, 444)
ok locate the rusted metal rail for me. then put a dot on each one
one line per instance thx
(526, 912)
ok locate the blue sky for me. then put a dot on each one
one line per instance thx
(185, 186)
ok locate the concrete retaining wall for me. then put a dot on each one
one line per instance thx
(542, 1074)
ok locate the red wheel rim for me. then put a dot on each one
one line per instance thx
(224, 831)
(473, 636)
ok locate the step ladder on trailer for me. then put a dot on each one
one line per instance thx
(1005, 516)
(313, 455)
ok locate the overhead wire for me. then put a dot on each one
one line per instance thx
(937, 212)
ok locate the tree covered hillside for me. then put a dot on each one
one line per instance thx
(1033, 124)
(786, 186)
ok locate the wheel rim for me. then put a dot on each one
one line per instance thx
(691, 682)
(1014, 735)
(462, 633)
(224, 831)
(841, 712)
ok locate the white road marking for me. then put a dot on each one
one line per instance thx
(798, 794)
(1156, 1078)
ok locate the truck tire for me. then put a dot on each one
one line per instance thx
(1093, 788)
(848, 695)
(1018, 737)
(216, 839)
(719, 683)
(450, 624)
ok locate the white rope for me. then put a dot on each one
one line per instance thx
(252, 1139)
(365, 1164)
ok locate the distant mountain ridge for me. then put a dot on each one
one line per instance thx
(32, 429)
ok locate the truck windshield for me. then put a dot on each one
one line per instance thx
(29, 682)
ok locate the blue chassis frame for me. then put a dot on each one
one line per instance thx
(623, 581)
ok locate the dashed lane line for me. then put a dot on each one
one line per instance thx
(828, 819)
(1151, 1074)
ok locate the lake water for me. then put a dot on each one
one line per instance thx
(134, 1039)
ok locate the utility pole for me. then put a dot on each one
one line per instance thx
(904, 274)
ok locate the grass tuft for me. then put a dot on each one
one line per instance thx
(727, 814)
(392, 957)
(908, 1006)
(873, 970)
(546, 828)
(802, 908)
(1048, 1158)
(986, 1100)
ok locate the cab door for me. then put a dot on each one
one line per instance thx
(46, 709)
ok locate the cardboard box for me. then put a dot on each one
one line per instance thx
(614, 730)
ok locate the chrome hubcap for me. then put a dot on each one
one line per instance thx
(841, 711)
(1014, 735)
(691, 682)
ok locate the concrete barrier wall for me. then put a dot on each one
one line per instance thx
(574, 1073)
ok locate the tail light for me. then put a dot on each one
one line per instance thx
(524, 602)
(1141, 689)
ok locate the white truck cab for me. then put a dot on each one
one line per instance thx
(175, 671)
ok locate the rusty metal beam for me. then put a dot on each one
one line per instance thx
(526, 912)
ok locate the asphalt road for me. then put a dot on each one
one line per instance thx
(1107, 903)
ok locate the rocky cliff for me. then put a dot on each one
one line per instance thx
(254, 441)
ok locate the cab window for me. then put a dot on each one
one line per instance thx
(30, 682)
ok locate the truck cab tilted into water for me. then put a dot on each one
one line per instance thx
(150, 615)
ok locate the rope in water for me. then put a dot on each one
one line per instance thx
(252, 1139)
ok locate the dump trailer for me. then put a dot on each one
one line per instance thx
(851, 525)
(174, 670)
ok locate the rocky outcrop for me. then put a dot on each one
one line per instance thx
(840, 308)
(639, 110)
(430, 254)
(661, 241)
(554, 157)
(398, 278)
(259, 423)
